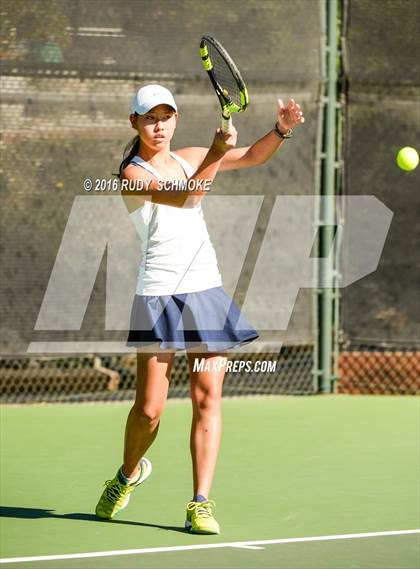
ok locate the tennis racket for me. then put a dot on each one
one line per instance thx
(225, 78)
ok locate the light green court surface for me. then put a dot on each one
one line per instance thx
(288, 468)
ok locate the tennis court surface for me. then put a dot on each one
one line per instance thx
(308, 483)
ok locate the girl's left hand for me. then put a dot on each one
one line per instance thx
(289, 116)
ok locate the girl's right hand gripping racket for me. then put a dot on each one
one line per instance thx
(225, 78)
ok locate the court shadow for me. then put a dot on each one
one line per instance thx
(38, 513)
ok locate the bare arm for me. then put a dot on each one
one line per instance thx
(249, 156)
(237, 158)
(209, 165)
(263, 149)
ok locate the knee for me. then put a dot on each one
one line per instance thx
(147, 414)
(206, 400)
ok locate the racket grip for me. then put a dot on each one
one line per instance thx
(226, 124)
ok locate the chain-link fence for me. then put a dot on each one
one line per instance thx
(379, 320)
(69, 70)
(113, 378)
(372, 369)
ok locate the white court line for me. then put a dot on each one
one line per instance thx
(247, 547)
(244, 544)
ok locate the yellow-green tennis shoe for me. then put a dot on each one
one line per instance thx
(116, 495)
(200, 518)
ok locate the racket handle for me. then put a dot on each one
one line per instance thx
(226, 124)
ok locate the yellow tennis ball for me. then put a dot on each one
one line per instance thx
(407, 158)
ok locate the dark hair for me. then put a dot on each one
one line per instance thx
(130, 151)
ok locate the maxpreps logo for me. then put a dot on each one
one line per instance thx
(213, 365)
(284, 265)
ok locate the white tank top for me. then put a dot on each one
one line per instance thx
(177, 254)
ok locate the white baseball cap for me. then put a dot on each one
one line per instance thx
(150, 96)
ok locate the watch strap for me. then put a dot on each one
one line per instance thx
(283, 135)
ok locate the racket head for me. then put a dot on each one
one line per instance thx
(224, 76)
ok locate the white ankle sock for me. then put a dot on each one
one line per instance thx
(131, 480)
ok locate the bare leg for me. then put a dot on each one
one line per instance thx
(153, 374)
(206, 427)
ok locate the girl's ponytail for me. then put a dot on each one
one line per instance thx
(130, 151)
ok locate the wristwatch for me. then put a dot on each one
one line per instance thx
(287, 134)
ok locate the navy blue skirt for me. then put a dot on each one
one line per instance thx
(208, 319)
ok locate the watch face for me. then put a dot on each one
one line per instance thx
(287, 134)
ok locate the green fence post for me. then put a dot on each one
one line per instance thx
(327, 222)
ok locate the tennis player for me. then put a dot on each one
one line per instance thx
(180, 303)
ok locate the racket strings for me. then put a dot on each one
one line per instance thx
(224, 76)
